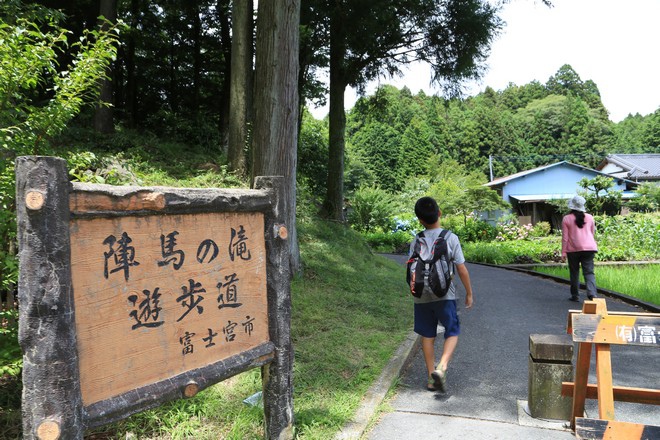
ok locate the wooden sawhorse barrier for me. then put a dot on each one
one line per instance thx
(594, 327)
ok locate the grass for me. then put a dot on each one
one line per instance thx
(350, 313)
(639, 281)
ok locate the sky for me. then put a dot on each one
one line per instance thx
(615, 43)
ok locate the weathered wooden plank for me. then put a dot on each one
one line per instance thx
(569, 323)
(582, 365)
(604, 379)
(52, 406)
(617, 329)
(646, 396)
(184, 385)
(278, 375)
(95, 200)
(595, 429)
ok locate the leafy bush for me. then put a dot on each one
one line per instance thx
(513, 231)
(600, 197)
(632, 237)
(371, 210)
(407, 222)
(389, 242)
(619, 238)
(469, 228)
(514, 252)
(648, 198)
(541, 229)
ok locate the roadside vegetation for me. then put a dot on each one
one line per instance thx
(640, 280)
(635, 237)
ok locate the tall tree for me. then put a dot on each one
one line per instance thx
(103, 118)
(453, 36)
(275, 153)
(276, 103)
(241, 84)
(224, 13)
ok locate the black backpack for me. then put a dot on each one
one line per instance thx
(436, 273)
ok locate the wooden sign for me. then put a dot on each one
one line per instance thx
(174, 292)
(616, 329)
(133, 296)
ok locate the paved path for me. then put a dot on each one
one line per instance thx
(487, 380)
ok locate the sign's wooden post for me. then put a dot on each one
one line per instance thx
(278, 375)
(582, 371)
(133, 296)
(52, 406)
(597, 327)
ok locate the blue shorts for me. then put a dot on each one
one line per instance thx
(427, 316)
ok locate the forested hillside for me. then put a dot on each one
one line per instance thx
(392, 134)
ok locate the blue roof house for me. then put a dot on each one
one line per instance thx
(528, 191)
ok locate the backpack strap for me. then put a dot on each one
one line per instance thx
(443, 234)
(417, 247)
(414, 256)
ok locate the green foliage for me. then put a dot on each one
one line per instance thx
(8, 262)
(631, 237)
(28, 60)
(648, 198)
(397, 242)
(514, 252)
(619, 238)
(313, 154)
(600, 197)
(469, 229)
(541, 229)
(371, 209)
(461, 192)
(392, 134)
(29, 71)
(11, 361)
(637, 134)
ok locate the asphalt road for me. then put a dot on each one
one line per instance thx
(487, 380)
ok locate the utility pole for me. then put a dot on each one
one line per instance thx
(490, 166)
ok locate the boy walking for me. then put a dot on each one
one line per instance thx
(431, 309)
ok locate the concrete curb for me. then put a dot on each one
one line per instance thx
(375, 395)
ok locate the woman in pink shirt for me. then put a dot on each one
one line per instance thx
(578, 245)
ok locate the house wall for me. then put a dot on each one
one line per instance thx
(611, 168)
(615, 171)
(555, 180)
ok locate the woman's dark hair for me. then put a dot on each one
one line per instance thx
(426, 209)
(579, 218)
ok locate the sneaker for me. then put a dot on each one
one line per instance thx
(591, 297)
(430, 384)
(439, 381)
(574, 299)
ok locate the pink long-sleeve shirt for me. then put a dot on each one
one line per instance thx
(576, 239)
